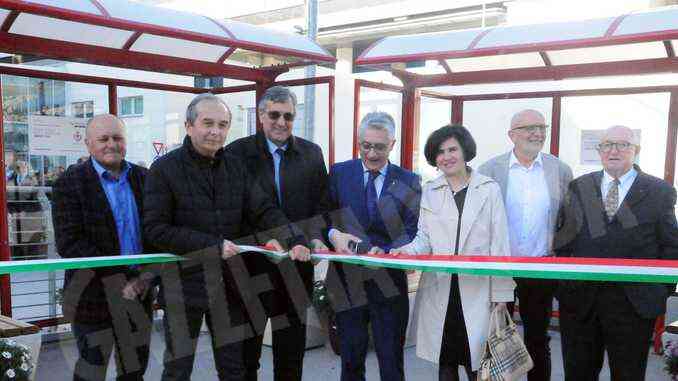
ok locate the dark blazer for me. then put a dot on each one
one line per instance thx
(303, 185)
(193, 203)
(643, 228)
(398, 206)
(84, 227)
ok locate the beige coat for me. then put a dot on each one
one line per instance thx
(484, 231)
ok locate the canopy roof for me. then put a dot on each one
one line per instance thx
(130, 34)
(649, 35)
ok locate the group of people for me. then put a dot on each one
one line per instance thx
(203, 201)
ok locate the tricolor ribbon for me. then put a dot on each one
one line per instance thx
(9, 267)
(591, 269)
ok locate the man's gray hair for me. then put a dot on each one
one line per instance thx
(378, 120)
(277, 94)
(192, 109)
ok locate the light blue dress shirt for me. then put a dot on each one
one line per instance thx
(527, 207)
(625, 183)
(277, 158)
(378, 181)
(124, 207)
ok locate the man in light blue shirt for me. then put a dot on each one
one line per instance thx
(96, 207)
(533, 183)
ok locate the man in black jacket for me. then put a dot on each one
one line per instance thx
(199, 201)
(619, 212)
(96, 209)
(292, 171)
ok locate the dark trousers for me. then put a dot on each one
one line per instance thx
(288, 328)
(536, 304)
(95, 342)
(611, 325)
(182, 328)
(388, 319)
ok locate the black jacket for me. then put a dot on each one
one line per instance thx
(193, 203)
(84, 227)
(643, 228)
(303, 178)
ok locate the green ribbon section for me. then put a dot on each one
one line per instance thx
(10, 267)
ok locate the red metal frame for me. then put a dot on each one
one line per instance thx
(546, 73)
(672, 139)
(104, 20)
(471, 51)
(5, 255)
(69, 51)
(556, 107)
(113, 99)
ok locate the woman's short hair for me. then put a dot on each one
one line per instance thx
(439, 136)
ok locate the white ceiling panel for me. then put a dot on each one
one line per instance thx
(612, 53)
(174, 47)
(264, 36)
(56, 29)
(423, 43)
(497, 62)
(73, 5)
(653, 21)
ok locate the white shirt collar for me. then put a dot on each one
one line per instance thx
(623, 180)
(382, 170)
(513, 160)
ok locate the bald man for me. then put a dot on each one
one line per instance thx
(96, 209)
(619, 212)
(532, 183)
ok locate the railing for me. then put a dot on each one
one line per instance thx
(31, 236)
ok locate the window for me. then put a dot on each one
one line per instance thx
(82, 109)
(131, 106)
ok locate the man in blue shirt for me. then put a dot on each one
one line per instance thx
(96, 211)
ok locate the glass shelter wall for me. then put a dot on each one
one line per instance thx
(489, 121)
(584, 117)
(434, 113)
(386, 101)
(43, 129)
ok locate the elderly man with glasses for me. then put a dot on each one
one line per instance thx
(376, 208)
(292, 171)
(533, 184)
(619, 212)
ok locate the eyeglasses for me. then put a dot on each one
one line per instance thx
(533, 128)
(620, 146)
(275, 115)
(377, 147)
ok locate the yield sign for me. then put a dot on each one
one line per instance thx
(158, 146)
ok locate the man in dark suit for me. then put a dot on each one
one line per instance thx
(96, 207)
(200, 203)
(292, 171)
(619, 212)
(376, 205)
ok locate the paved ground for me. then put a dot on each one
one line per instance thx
(56, 362)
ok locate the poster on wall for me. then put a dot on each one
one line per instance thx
(56, 135)
(589, 146)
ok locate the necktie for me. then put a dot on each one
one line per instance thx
(371, 193)
(612, 199)
(280, 152)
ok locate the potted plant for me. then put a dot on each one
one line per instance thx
(323, 307)
(16, 363)
(671, 359)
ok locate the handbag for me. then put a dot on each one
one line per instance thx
(505, 357)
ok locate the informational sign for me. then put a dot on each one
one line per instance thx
(56, 135)
(589, 146)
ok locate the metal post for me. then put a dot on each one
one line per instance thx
(309, 91)
(5, 287)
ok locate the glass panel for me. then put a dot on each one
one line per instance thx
(434, 113)
(39, 146)
(584, 117)
(386, 101)
(489, 122)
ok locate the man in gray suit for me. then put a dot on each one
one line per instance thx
(533, 184)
